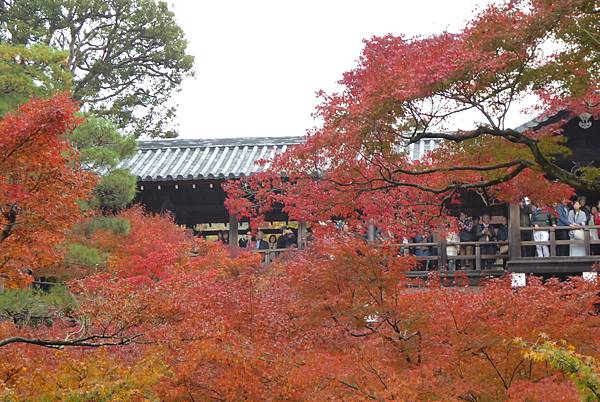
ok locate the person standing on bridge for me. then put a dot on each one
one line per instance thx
(562, 210)
(485, 233)
(541, 218)
(577, 220)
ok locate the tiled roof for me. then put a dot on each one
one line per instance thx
(193, 159)
(543, 119)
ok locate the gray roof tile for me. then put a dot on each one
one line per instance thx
(197, 159)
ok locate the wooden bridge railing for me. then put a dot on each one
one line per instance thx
(482, 257)
(553, 242)
(270, 254)
(478, 261)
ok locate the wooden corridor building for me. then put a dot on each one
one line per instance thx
(184, 176)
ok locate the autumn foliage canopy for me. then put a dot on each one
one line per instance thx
(404, 91)
(337, 321)
(147, 311)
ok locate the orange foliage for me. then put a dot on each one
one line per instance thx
(337, 321)
(40, 183)
(153, 247)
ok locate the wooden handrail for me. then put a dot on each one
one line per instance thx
(531, 228)
(273, 250)
(449, 243)
(552, 243)
(268, 253)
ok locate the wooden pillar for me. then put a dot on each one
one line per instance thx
(586, 241)
(552, 242)
(233, 230)
(301, 234)
(442, 252)
(371, 232)
(514, 231)
(477, 257)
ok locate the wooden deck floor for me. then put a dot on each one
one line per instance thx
(549, 265)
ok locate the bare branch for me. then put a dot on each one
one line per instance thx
(92, 341)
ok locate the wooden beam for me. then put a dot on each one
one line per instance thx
(477, 257)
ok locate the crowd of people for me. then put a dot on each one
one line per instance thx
(285, 239)
(480, 229)
(471, 229)
(570, 217)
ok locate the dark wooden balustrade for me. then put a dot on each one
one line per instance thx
(482, 263)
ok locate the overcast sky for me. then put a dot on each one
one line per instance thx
(259, 63)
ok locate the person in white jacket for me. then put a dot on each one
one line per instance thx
(577, 220)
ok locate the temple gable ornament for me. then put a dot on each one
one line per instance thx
(586, 120)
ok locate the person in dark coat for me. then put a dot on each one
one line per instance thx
(502, 235)
(260, 243)
(223, 237)
(465, 226)
(282, 240)
(485, 232)
(243, 241)
(287, 238)
(562, 212)
(525, 221)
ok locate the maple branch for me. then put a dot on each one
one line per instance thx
(516, 137)
(357, 388)
(489, 359)
(455, 186)
(23, 142)
(376, 373)
(512, 377)
(92, 341)
(463, 168)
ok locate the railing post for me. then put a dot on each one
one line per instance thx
(552, 242)
(233, 230)
(371, 232)
(514, 231)
(477, 257)
(442, 253)
(586, 241)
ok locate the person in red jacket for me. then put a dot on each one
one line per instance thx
(597, 215)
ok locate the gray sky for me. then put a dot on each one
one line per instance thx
(259, 63)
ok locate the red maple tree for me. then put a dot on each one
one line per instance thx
(404, 91)
(40, 183)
